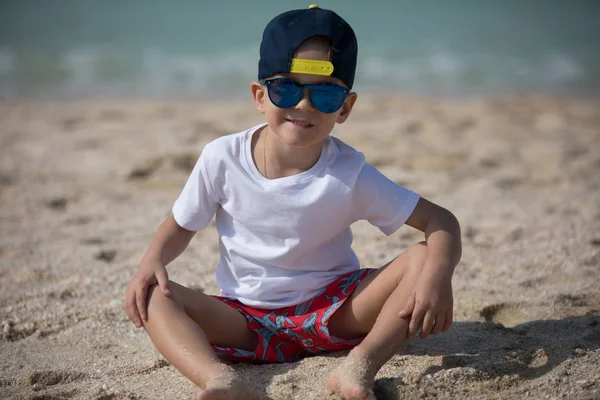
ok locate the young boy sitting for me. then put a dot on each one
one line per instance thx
(285, 194)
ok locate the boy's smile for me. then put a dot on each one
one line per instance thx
(300, 123)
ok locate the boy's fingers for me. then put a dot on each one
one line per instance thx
(440, 321)
(133, 315)
(129, 307)
(163, 281)
(141, 303)
(135, 318)
(428, 322)
(408, 309)
(448, 322)
(415, 322)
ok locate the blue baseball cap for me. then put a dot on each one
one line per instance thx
(287, 31)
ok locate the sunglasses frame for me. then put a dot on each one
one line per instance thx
(269, 82)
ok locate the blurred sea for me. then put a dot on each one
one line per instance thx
(65, 49)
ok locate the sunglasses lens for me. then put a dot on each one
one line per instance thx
(328, 98)
(284, 94)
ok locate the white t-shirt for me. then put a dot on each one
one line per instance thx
(282, 240)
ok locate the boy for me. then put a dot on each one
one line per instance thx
(285, 194)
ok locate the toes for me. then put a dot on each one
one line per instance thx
(356, 392)
(352, 380)
(210, 394)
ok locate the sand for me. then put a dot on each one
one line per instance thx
(83, 187)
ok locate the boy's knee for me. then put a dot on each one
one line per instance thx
(410, 263)
(156, 295)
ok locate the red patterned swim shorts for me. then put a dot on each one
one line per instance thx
(290, 333)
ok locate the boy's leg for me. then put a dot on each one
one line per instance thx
(182, 327)
(372, 310)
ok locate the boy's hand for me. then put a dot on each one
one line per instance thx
(429, 306)
(150, 272)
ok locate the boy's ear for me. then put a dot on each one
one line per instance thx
(347, 107)
(259, 93)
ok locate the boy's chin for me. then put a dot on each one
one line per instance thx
(300, 139)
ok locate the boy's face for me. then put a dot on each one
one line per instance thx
(302, 125)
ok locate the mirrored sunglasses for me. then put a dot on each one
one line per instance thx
(325, 97)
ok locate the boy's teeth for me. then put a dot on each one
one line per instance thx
(300, 123)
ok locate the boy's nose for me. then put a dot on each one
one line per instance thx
(305, 103)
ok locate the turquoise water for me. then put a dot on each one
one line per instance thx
(198, 49)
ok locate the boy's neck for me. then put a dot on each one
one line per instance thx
(281, 159)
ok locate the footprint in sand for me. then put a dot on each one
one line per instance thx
(507, 314)
(180, 162)
(387, 388)
(71, 124)
(42, 379)
(571, 300)
(184, 162)
(106, 255)
(147, 369)
(490, 162)
(58, 203)
(145, 171)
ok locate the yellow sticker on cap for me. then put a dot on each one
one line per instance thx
(314, 67)
(313, 6)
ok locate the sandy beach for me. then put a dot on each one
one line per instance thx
(84, 186)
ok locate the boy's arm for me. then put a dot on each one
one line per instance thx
(169, 242)
(430, 306)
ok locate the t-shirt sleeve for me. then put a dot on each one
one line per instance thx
(381, 201)
(198, 202)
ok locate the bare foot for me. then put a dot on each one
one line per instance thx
(353, 379)
(226, 386)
